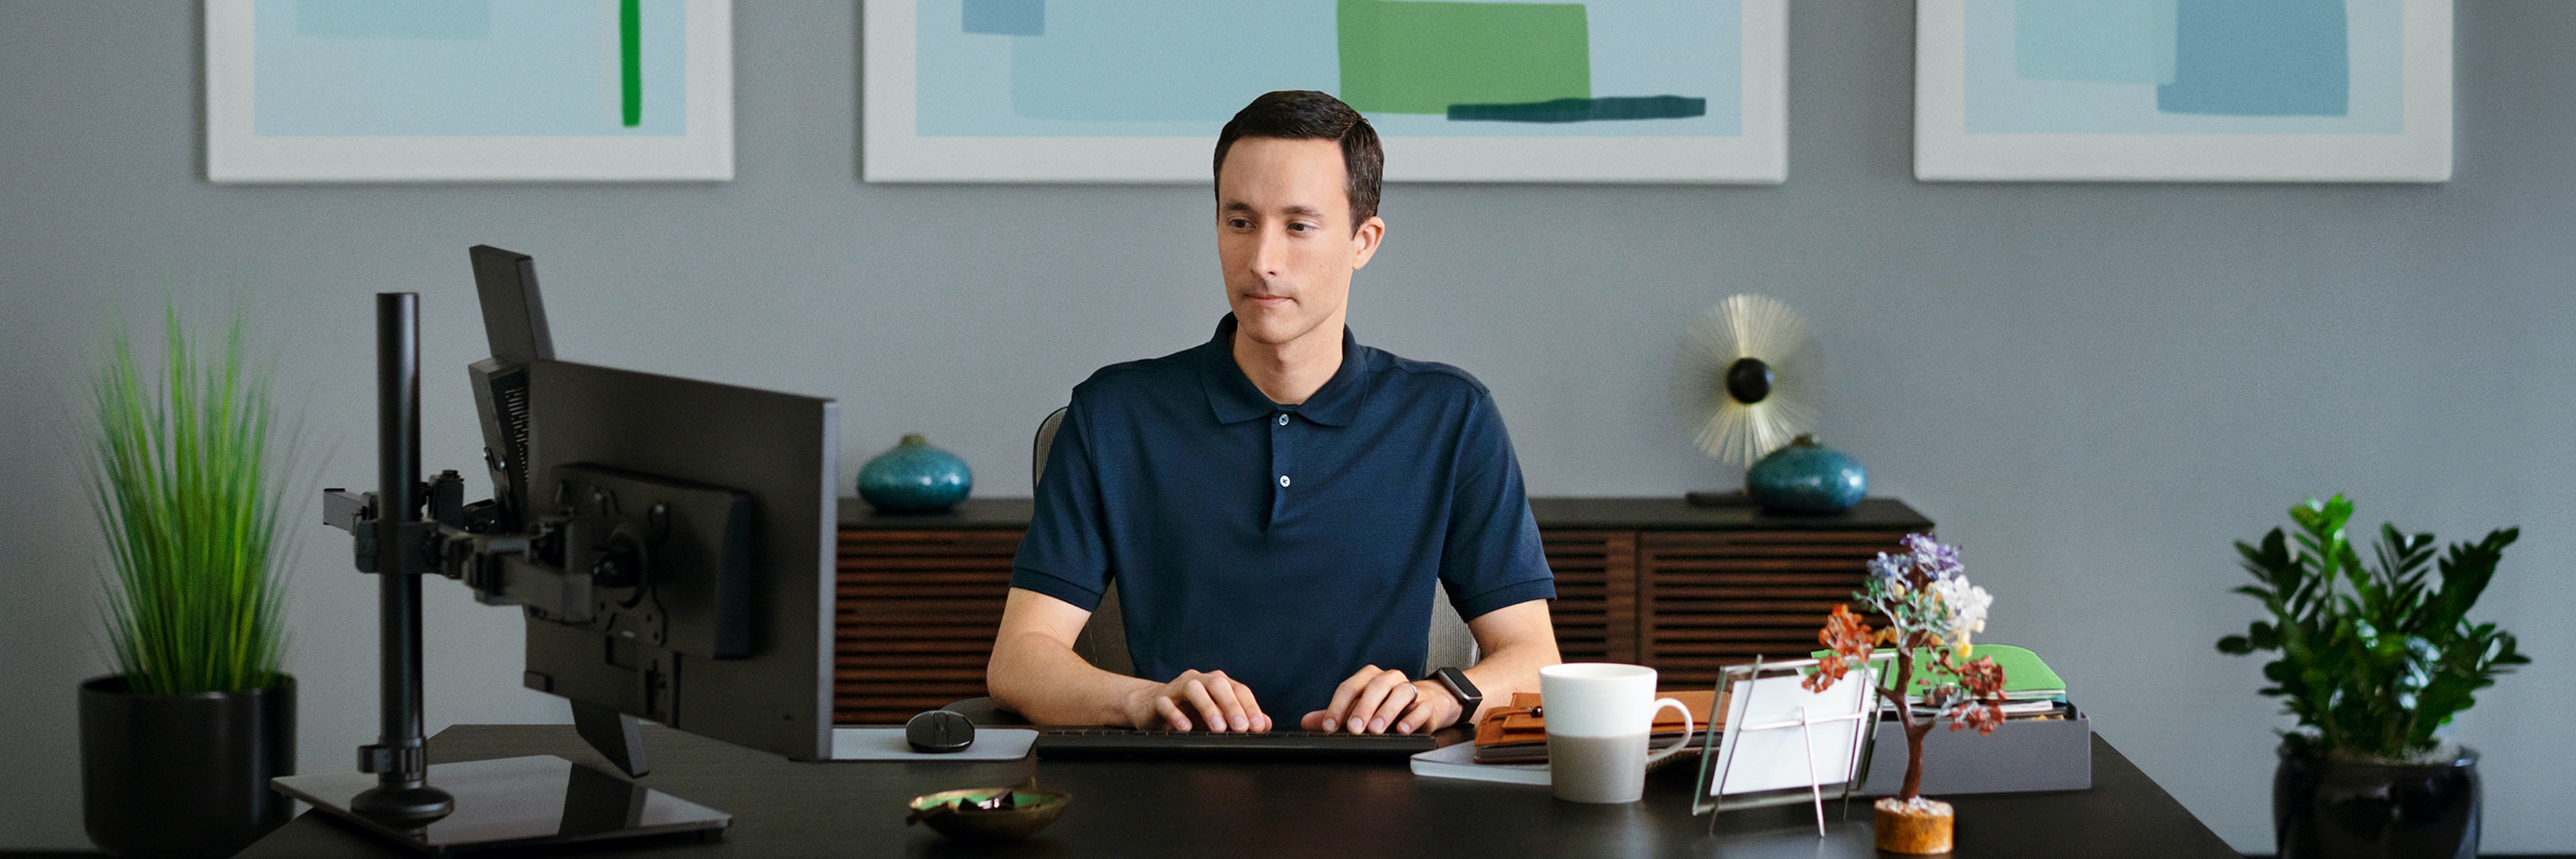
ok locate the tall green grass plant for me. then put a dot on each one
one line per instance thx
(184, 487)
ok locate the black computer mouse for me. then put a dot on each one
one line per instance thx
(939, 731)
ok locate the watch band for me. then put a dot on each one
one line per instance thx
(1463, 689)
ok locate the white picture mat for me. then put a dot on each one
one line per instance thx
(235, 154)
(892, 152)
(1945, 151)
(1753, 761)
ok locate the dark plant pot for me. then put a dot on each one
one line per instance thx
(2340, 809)
(183, 775)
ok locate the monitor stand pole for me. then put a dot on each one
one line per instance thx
(539, 799)
(400, 757)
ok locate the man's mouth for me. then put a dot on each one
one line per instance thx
(1266, 300)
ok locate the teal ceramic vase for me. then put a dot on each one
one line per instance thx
(1806, 478)
(914, 477)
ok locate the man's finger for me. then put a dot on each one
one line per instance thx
(1398, 697)
(1206, 706)
(1418, 715)
(1171, 713)
(1253, 718)
(1343, 695)
(1363, 714)
(1222, 691)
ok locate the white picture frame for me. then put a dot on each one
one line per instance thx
(1775, 743)
(236, 153)
(894, 151)
(2417, 149)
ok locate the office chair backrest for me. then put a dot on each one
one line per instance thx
(1103, 640)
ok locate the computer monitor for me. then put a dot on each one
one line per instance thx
(682, 534)
(514, 321)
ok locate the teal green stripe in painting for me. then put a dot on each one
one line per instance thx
(1608, 108)
(630, 65)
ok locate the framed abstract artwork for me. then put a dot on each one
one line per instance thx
(1134, 91)
(2183, 90)
(469, 90)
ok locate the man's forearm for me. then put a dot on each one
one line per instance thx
(1049, 684)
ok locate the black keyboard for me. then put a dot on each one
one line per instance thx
(1201, 745)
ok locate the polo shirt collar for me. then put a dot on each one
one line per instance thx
(1233, 397)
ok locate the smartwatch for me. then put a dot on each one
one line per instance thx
(1464, 690)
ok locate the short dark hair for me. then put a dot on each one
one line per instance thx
(1304, 114)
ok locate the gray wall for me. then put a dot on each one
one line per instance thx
(2092, 388)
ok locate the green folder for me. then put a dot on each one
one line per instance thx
(2026, 677)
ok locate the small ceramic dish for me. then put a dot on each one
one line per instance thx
(989, 813)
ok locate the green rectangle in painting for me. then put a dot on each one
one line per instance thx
(630, 60)
(1412, 56)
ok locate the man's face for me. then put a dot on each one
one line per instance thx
(1284, 236)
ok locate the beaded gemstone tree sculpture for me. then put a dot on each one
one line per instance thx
(1930, 610)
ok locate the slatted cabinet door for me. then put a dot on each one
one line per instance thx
(916, 619)
(1709, 599)
(1596, 594)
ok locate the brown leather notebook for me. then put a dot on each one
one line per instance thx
(1525, 720)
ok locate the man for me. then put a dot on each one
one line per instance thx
(1277, 504)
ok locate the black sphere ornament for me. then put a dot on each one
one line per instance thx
(1748, 380)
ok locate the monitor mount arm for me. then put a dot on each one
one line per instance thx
(394, 541)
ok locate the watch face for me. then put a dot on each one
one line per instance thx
(1459, 685)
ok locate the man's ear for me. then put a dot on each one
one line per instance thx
(1364, 241)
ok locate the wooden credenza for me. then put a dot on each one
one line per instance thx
(1651, 581)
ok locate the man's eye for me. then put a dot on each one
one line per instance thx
(1239, 223)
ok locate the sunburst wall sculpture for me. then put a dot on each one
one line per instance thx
(1748, 378)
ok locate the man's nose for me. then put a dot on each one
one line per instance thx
(1269, 253)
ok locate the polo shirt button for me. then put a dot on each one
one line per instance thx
(1283, 420)
(1283, 481)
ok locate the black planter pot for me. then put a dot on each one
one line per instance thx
(183, 775)
(2339, 809)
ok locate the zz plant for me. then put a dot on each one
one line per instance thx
(2373, 657)
(183, 485)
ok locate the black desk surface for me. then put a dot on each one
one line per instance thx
(782, 808)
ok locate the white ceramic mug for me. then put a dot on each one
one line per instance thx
(1598, 716)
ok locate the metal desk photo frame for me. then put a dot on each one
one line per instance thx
(1850, 705)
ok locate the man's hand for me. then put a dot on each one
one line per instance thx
(1378, 700)
(1197, 698)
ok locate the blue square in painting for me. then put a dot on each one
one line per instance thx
(2259, 58)
(1006, 17)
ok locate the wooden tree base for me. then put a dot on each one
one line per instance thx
(1922, 826)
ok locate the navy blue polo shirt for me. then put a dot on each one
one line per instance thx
(1287, 546)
